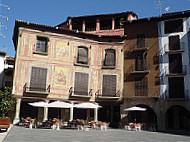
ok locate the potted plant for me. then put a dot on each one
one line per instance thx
(6, 104)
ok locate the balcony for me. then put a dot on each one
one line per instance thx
(181, 96)
(84, 64)
(100, 95)
(176, 71)
(80, 94)
(139, 70)
(139, 47)
(36, 90)
(177, 49)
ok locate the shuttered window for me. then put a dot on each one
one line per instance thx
(109, 85)
(41, 44)
(82, 57)
(174, 43)
(141, 41)
(38, 79)
(109, 57)
(141, 86)
(81, 84)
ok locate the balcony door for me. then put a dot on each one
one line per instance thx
(38, 79)
(174, 42)
(175, 63)
(141, 86)
(140, 63)
(141, 41)
(176, 87)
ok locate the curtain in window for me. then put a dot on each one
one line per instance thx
(109, 58)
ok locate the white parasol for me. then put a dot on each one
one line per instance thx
(39, 104)
(59, 104)
(135, 109)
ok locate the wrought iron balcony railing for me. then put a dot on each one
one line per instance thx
(101, 94)
(142, 69)
(179, 48)
(29, 89)
(139, 47)
(170, 96)
(76, 93)
(175, 71)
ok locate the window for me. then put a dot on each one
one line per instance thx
(38, 79)
(109, 85)
(82, 57)
(81, 84)
(175, 63)
(140, 62)
(119, 22)
(141, 41)
(141, 86)
(109, 57)
(174, 42)
(173, 26)
(105, 24)
(41, 44)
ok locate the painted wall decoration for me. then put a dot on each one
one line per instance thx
(62, 50)
(60, 76)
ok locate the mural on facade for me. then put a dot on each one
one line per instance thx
(60, 76)
(62, 50)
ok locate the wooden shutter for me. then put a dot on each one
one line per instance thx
(141, 86)
(82, 55)
(109, 85)
(109, 57)
(38, 79)
(141, 41)
(175, 63)
(174, 43)
(81, 84)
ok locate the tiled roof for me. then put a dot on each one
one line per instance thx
(59, 30)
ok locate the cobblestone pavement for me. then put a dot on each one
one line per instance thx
(21, 134)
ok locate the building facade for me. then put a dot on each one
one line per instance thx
(102, 24)
(174, 46)
(141, 68)
(6, 70)
(53, 63)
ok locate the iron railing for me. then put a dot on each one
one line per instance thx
(135, 68)
(137, 47)
(180, 70)
(100, 93)
(28, 88)
(168, 49)
(73, 92)
(167, 95)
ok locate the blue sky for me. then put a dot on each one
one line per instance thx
(53, 12)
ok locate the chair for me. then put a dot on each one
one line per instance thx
(137, 127)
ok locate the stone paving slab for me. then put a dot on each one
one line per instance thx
(21, 134)
(3, 134)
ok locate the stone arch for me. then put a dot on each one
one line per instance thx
(177, 117)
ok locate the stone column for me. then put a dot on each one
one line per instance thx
(97, 25)
(113, 23)
(96, 114)
(83, 26)
(17, 111)
(45, 112)
(71, 113)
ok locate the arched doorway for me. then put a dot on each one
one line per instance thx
(147, 117)
(178, 118)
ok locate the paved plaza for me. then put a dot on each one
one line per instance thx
(21, 134)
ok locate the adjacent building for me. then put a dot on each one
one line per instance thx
(102, 24)
(54, 63)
